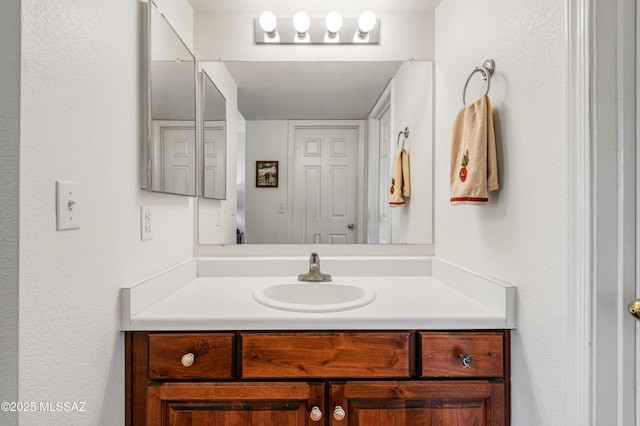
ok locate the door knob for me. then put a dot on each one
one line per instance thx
(634, 308)
(351, 225)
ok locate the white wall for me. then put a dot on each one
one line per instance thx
(9, 200)
(412, 107)
(217, 218)
(80, 122)
(521, 235)
(180, 14)
(267, 140)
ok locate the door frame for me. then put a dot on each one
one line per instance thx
(382, 105)
(361, 172)
(601, 114)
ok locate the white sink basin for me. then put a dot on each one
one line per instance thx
(314, 297)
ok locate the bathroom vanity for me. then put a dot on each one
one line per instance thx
(201, 350)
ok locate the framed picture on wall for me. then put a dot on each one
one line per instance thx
(266, 174)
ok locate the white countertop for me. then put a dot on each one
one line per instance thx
(187, 300)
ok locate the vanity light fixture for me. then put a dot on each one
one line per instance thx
(301, 23)
(330, 29)
(269, 24)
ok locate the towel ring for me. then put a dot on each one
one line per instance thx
(486, 71)
(404, 132)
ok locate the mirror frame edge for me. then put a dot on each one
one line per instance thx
(145, 94)
(277, 250)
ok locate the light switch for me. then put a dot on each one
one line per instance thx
(67, 205)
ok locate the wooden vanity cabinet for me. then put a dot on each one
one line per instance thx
(451, 378)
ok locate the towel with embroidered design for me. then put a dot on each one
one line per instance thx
(474, 169)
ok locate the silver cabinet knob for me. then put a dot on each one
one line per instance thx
(338, 413)
(188, 359)
(315, 414)
(466, 360)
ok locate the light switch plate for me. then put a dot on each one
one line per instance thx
(67, 205)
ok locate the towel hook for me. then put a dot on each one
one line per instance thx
(404, 132)
(486, 71)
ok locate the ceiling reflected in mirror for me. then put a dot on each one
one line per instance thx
(309, 90)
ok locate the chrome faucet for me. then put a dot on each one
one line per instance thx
(314, 274)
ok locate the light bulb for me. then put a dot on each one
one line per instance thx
(301, 23)
(268, 22)
(333, 22)
(366, 22)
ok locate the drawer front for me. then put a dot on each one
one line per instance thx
(462, 354)
(325, 355)
(169, 356)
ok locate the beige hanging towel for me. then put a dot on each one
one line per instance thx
(474, 169)
(400, 186)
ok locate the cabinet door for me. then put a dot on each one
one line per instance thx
(419, 403)
(224, 404)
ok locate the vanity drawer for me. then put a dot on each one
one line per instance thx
(325, 354)
(212, 356)
(462, 354)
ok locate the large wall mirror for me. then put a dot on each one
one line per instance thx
(214, 149)
(320, 143)
(169, 138)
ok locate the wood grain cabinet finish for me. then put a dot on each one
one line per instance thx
(420, 403)
(322, 354)
(322, 378)
(246, 403)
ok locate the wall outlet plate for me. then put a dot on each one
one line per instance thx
(146, 223)
(67, 205)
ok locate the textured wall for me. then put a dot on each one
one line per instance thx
(80, 122)
(9, 199)
(521, 236)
